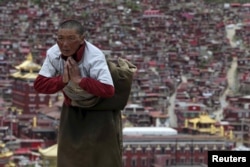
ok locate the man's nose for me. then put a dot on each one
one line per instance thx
(64, 43)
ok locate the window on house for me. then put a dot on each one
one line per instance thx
(167, 162)
(42, 98)
(240, 114)
(32, 98)
(133, 162)
(173, 161)
(247, 114)
(144, 162)
(32, 109)
(201, 160)
(32, 89)
(182, 160)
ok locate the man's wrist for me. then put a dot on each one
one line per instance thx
(77, 81)
(64, 81)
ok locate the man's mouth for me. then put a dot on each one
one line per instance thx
(66, 50)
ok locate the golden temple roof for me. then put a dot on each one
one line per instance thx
(21, 75)
(2, 145)
(10, 164)
(49, 152)
(28, 64)
(4, 152)
(27, 70)
(203, 118)
(30, 75)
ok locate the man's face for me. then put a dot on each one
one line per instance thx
(68, 41)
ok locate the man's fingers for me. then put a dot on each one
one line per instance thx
(72, 62)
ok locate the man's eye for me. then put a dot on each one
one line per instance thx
(71, 38)
(67, 39)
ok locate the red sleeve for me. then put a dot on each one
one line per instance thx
(97, 88)
(48, 85)
(52, 85)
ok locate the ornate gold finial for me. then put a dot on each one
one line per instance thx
(28, 64)
(148, 148)
(178, 147)
(128, 148)
(167, 147)
(34, 122)
(138, 148)
(196, 147)
(187, 147)
(186, 123)
(222, 131)
(19, 111)
(29, 57)
(158, 147)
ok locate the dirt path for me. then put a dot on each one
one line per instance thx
(230, 76)
(231, 86)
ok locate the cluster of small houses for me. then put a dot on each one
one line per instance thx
(183, 55)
